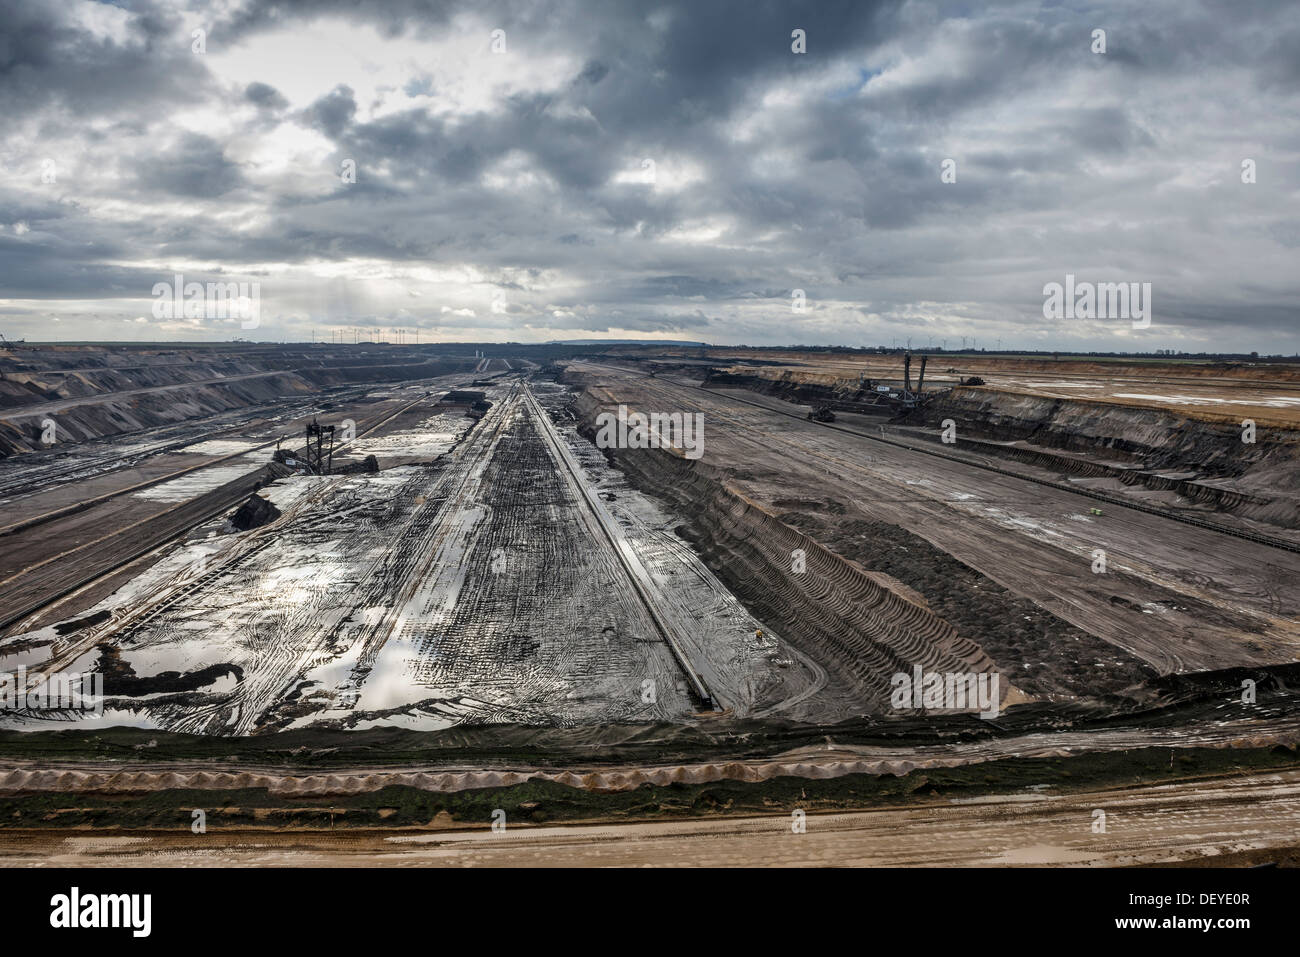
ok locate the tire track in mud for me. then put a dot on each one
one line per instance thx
(518, 545)
(316, 609)
(868, 626)
(636, 574)
(423, 553)
(728, 605)
(419, 545)
(372, 615)
(763, 673)
(108, 553)
(280, 647)
(505, 607)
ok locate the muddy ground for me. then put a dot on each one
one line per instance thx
(468, 581)
(505, 612)
(1158, 599)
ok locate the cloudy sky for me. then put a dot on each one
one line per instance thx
(546, 170)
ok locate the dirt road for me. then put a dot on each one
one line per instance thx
(1139, 826)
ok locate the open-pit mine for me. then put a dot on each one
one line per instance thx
(667, 592)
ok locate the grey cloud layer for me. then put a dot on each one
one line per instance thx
(775, 171)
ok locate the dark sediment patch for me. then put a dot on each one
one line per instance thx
(76, 624)
(254, 513)
(1039, 652)
(120, 679)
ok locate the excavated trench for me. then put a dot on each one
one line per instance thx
(864, 625)
(874, 598)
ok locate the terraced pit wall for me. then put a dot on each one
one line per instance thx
(20, 429)
(93, 392)
(1135, 444)
(863, 625)
(32, 376)
(803, 388)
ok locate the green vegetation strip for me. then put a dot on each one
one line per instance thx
(540, 802)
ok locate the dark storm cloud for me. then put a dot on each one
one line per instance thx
(195, 167)
(265, 96)
(772, 171)
(53, 270)
(48, 63)
(333, 113)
